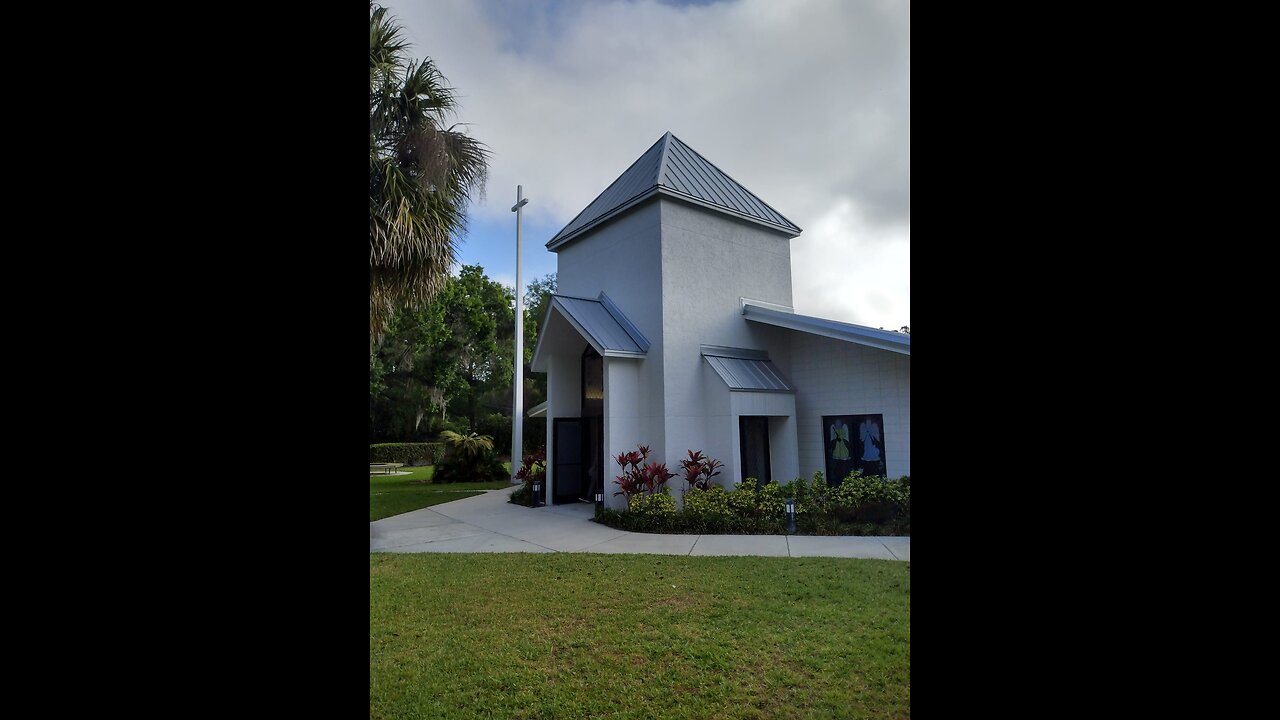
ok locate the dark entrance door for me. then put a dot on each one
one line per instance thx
(592, 424)
(567, 456)
(753, 439)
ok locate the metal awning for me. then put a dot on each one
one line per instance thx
(599, 322)
(606, 328)
(746, 370)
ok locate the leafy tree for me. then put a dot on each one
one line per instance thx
(422, 175)
(451, 358)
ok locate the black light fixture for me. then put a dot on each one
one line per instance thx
(599, 499)
(791, 515)
(536, 499)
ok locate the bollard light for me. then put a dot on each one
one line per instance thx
(536, 500)
(791, 515)
(599, 499)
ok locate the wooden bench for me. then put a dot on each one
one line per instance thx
(386, 468)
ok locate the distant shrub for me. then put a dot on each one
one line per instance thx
(407, 453)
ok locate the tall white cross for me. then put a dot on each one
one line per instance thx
(517, 407)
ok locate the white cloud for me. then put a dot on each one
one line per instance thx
(846, 269)
(805, 102)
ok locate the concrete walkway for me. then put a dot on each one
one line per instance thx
(488, 523)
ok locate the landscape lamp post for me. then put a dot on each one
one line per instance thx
(536, 499)
(791, 515)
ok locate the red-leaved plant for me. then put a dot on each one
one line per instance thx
(640, 477)
(533, 467)
(698, 470)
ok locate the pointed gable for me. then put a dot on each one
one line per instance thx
(671, 168)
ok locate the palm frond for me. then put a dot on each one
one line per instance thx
(422, 176)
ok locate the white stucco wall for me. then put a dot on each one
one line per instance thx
(623, 259)
(710, 261)
(834, 377)
(622, 419)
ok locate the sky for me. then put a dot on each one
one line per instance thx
(806, 103)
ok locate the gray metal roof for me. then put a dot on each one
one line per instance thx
(674, 169)
(771, 314)
(601, 324)
(743, 369)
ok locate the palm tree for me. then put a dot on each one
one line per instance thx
(422, 175)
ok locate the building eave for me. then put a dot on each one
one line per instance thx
(770, 314)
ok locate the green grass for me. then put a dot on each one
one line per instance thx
(635, 636)
(394, 494)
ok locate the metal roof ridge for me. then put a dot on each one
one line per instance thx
(662, 162)
(604, 217)
(731, 178)
(638, 337)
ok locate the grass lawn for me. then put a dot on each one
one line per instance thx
(637, 636)
(394, 494)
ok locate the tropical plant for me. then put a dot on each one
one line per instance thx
(639, 477)
(469, 458)
(471, 445)
(422, 174)
(699, 469)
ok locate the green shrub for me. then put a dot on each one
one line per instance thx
(869, 498)
(859, 505)
(742, 501)
(649, 513)
(810, 495)
(707, 511)
(655, 511)
(521, 495)
(407, 453)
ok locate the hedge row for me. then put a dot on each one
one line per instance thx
(407, 453)
(859, 505)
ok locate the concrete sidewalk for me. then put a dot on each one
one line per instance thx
(488, 523)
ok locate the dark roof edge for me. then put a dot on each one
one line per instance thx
(733, 352)
(791, 232)
(553, 243)
(835, 329)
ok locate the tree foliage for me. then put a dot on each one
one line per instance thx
(423, 173)
(450, 358)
